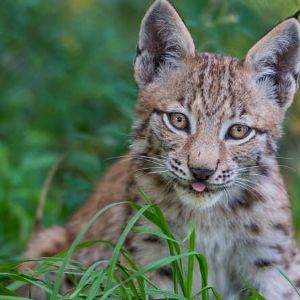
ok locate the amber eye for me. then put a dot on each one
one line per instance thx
(179, 121)
(238, 132)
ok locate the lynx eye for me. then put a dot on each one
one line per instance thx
(238, 132)
(179, 121)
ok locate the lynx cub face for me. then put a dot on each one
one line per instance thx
(208, 124)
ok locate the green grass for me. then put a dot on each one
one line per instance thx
(113, 279)
(66, 86)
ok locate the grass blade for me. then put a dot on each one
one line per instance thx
(120, 243)
(189, 282)
(150, 267)
(73, 247)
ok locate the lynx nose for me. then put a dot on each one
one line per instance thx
(202, 173)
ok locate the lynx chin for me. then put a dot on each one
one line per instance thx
(204, 149)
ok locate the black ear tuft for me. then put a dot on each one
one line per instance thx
(296, 15)
(138, 52)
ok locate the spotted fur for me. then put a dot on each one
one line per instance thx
(243, 216)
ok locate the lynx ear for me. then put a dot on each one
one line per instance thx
(275, 61)
(164, 41)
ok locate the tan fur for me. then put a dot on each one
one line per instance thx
(243, 218)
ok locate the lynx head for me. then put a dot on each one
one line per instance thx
(207, 123)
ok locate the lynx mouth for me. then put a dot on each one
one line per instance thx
(199, 186)
(202, 187)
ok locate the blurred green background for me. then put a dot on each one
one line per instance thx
(66, 86)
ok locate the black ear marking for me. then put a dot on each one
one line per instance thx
(138, 52)
(296, 15)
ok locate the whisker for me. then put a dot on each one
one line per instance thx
(146, 157)
(253, 175)
(250, 181)
(158, 172)
(142, 157)
(226, 194)
(283, 157)
(168, 186)
(265, 165)
(160, 163)
(150, 168)
(249, 188)
(117, 157)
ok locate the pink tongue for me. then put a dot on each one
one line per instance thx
(198, 186)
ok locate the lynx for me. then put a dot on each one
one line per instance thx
(204, 150)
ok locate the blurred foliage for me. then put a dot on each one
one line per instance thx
(66, 86)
